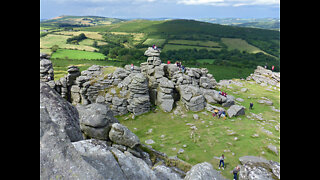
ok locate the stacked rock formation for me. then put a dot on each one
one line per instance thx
(134, 90)
(64, 84)
(262, 75)
(46, 68)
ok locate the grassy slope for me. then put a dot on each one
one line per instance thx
(212, 139)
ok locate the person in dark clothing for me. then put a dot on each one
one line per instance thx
(221, 162)
(251, 105)
(235, 172)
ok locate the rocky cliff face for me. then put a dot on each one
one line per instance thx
(135, 89)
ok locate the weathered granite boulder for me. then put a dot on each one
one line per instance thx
(164, 173)
(123, 136)
(258, 168)
(46, 68)
(203, 171)
(97, 153)
(262, 75)
(139, 99)
(150, 52)
(61, 112)
(192, 97)
(165, 96)
(96, 120)
(235, 110)
(58, 158)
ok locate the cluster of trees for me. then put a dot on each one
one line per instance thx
(76, 39)
(126, 55)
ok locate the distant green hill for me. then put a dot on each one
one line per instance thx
(79, 21)
(263, 23)
(227, 51)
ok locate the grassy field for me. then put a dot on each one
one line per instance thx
(223, 72)
(241, 45)
(168, 47)
(233, 137)
(53, 39)
(195, 43)
(60, 66)
(76, 55)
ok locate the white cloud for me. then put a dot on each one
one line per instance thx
(235, 3)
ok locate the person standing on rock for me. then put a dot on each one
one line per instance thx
(235, 172)
(221, 162)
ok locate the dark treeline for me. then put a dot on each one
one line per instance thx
(76, 39)
(224, 57)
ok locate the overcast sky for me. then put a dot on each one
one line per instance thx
(187, 9)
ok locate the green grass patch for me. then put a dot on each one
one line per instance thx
(211, 139)
(157, 42)
(168, 47)
(195, 43)
(241, 45)
(76, 54)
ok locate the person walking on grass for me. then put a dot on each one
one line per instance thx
(235, 172)
(221, 162)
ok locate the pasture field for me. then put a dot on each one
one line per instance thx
(241, 45)
(234, 137)
(175, 47)
(195, 43)
(225, 72)
(90, 35)
(53, 39)
(77, 54)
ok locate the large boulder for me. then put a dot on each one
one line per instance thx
(123, 136)
(150, 52)
(192, 97)
(61, 112)
(133, 167)
(258, 168)
(98, 155)
(235, 110)
(203, 171)
(96, 120)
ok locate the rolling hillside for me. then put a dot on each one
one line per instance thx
(78, 21)
(227, 51)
